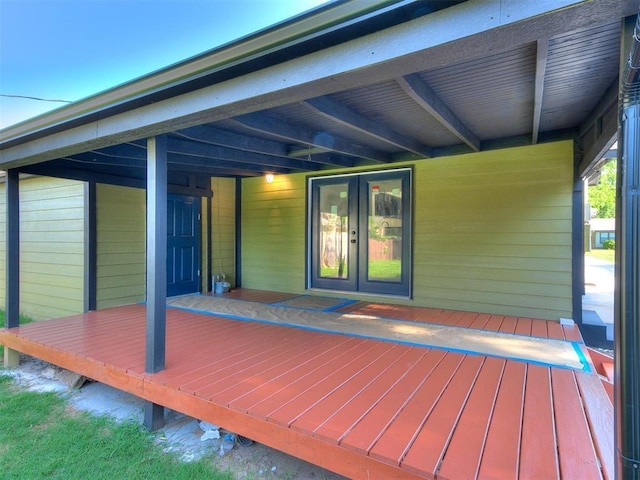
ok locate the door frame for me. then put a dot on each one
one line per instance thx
(359, 284)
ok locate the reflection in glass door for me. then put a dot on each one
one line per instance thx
(360, 232)
(335, 218)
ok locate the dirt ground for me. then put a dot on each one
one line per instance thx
(181, 435)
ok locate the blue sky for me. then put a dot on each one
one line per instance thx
(71, 49)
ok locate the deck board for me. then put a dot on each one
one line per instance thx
(357, 409)
(539, 452)
(501, 451)
(364, 408)
(467, 443)
(397, 438)
(428, 447)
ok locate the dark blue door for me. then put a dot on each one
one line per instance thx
(183, 245)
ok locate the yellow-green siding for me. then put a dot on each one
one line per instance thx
(52, 247)
(273, 233)
(120, 249)
(492, 232)
(223, 230)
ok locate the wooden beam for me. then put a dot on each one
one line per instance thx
(12, 254)
(224, 138)
(299, 135)
(541, 67)
(156, 253)
(215, 166)
(206, 150)
(344, 115)
(424, 96)
(600, 130)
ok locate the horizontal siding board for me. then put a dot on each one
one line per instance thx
(121, 245)
(51, 247)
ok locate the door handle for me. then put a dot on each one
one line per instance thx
(353, 240)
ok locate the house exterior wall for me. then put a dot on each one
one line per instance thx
(273, 233)
(52, 247)
(492, 232)
(223, 229)
(120, 245)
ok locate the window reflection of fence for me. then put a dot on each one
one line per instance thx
(385, 249)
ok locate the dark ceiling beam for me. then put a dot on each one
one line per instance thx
(424, 96)
(223, 138)
(125, 150)
(344, 115)
(216, 152)
(508, 142)
(181, 161)
(600, 130)
(302, 136)
(218, 172)
(114, 176)
(177, 162)
(78, 172)
(98, 158)
(542, 53)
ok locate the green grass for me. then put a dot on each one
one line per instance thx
(40, 438)
(378, 270)
(608, 255)
(389, 270)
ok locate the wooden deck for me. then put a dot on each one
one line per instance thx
(360, 407)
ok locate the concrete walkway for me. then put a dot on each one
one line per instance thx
(597, 303)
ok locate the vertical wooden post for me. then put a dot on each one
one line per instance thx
(12, 312)
(90, 242)
(627, 291)
(156, 268)
(12, 257)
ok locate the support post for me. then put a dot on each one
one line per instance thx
(627, 299)
(12, 258)
(90, 242)
(238, 206)
(153, 416)
(209, 283)
(156, 268)
(627, 291)
(12, 311)
(577, 243)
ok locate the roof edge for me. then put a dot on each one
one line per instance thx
(309, 24)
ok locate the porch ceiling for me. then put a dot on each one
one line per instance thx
(539, 76)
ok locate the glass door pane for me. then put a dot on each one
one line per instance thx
(385, 233)
(334, 217)
(333, 239)
(384, 230)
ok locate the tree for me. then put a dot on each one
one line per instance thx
(602, 197)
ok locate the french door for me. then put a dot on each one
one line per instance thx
(360, 232)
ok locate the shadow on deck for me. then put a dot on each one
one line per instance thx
(361, 407)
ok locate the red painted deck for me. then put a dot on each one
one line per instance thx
(360, 407)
